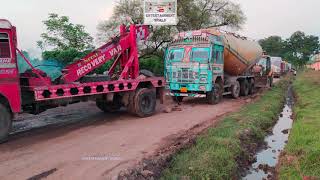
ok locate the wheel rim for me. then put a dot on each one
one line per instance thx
(236, 90)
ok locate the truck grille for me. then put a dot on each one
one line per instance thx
(185, 76)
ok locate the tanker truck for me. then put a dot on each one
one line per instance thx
(210, 63)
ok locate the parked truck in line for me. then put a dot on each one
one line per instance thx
(34, 92)
(209, 63)
(278, 66)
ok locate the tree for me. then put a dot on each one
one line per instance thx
(273, 45)
(197, 14)
(193, 14)
(64, 40)
(297, 49)
(300, 47)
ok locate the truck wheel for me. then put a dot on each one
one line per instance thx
(215, 96)
(271, 81)
(144, 102)
(109, 107)
(5, 123)
(251, 86)
(146, 73)
(235, 90)
(177, 99)
(244, 87)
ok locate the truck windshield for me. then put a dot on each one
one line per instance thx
(200, 54)
(176, 54)
(262, 62)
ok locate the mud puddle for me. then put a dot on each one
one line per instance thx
(267, 158)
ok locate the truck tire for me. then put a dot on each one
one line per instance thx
(244, 87)
(235, 90)
(146, 73)
(144, 102)
(177, 99)
(5, 123)
(109, 107)
(251, 86)
(216, 95)
(271, 81)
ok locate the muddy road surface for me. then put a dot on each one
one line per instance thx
(80, 142)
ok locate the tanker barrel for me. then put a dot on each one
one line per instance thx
(240, 54)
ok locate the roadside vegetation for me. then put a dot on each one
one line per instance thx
(297, 49)
(301, 159)
(223, 151)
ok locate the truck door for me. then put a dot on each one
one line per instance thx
(218, 60)
(9, 75)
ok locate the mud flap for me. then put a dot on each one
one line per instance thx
(162, 94)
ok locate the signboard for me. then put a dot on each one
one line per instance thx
(160, 12)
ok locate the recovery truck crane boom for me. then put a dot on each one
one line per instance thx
(34, 92)
(124, 46)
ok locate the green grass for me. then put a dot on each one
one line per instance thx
(302, 154)
(215, 154)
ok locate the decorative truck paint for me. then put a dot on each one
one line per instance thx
(196, 61)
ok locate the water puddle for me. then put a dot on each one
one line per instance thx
(268, 157)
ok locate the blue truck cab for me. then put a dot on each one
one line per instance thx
(194, 66)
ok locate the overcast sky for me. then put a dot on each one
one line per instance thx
(264, 17)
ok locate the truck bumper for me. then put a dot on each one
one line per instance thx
(187, 95)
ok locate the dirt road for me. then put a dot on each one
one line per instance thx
(95, 145)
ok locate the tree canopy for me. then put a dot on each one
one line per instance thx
(64, 40)
(192, 14)
(197, 14)
(273, 45)
(297, 49)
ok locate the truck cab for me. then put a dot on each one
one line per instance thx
(10, 101)
(194, 65)
(9, 74)
(263, 72)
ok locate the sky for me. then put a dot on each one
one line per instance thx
(264, 17)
